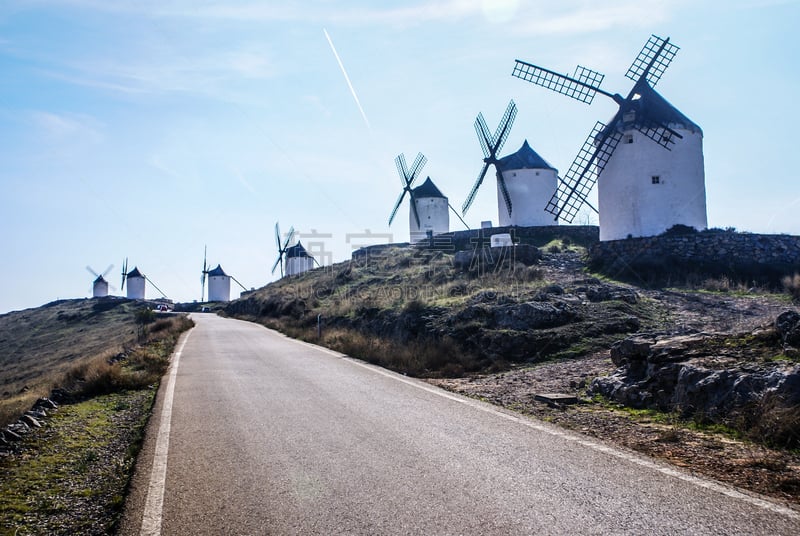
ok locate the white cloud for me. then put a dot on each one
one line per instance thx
(67, 127)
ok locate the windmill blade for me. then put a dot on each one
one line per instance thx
(413, 202)
(155, 287)
(471, 196)
(582, 87)
(107, 270)
(289, 237)
(659, 133)
(503, 129)
(203, 275)
(484, 136)
(506, 197)
(89, 269)
(277, 262)
(416, 167)
(397, 205)
(582, 175)
(277, 235)
(400, 162)
(653, 60)
(124, 274)
(237, 282)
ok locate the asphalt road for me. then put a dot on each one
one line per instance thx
(271, 436)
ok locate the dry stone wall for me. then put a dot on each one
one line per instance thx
(743, 257)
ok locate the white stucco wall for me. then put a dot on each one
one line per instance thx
(100, 289)
(219, 288)
(632, 203)
(135, 287)
(530, 190)
(434, 215)
(298, 265)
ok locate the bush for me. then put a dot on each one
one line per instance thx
(792, 286)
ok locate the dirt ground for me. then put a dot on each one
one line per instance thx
(715, 455)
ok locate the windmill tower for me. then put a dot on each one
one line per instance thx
(282, 246)
(219, 285)
(431, 209)
(100, 285)
(648, 161)
(530, 181)
(136, 284)
(298, 260)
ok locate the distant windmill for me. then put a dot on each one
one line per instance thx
(644, 187)
(407, 178)
(100, 285)
(219, 283)
(282, 246)
(298, 260)
(491, 145)
(136, 282)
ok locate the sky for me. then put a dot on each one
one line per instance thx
(150, 129)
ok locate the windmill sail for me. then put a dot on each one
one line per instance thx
(646, 70)
(491, 145)
(407, 178)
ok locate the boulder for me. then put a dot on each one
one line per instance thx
(787, 324)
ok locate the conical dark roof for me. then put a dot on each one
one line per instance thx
(428, 189)
(218, 271)
(100, 279)
(647, 109)
(135, 273)
(525, 158)
(296, 251)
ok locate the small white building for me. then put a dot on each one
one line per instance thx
(219, 285)
(298, 260)
(100, 287)
(530, 182)
(136, 283)
(433, 210)
(644, 188)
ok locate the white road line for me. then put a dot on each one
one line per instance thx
(627, 456)
(151, 520)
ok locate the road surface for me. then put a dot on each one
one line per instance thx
(255, 433)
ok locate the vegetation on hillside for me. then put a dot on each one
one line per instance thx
(70, 476)
(430, 313)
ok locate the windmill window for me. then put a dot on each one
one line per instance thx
(655, 179)
(628, 138)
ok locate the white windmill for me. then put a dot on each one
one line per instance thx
(298, 260)
(648, 161)
(428, 210)
(136, 282)
(100, 285)
(219, 283)
(525, 181)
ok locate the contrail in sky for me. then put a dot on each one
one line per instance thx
(347, 78)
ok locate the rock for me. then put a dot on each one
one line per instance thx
(531, 315)
(11, 436)
(787, 324)
(30, 421)
(630, 350)
(45, 403)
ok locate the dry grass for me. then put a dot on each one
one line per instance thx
(792, 286)
(44, 347)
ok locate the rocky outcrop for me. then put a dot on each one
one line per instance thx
(700, 373)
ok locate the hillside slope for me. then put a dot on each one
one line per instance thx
(38, 346)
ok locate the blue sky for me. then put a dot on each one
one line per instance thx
(149, 128)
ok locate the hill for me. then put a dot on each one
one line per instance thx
(39, 346)
(703, 376)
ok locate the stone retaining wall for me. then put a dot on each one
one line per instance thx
(741, 256)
